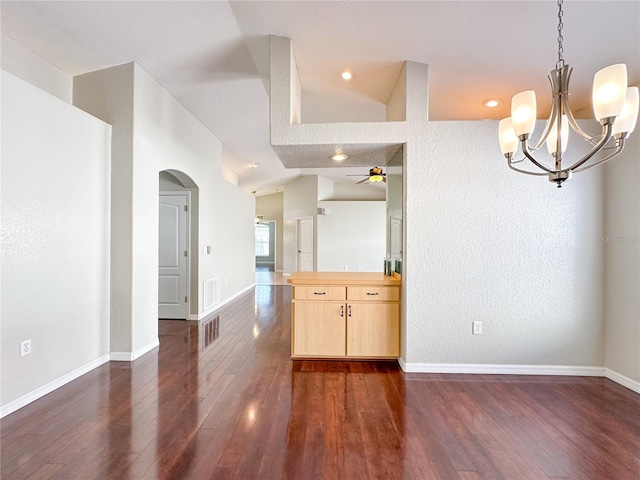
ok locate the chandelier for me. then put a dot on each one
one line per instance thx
(614, 104)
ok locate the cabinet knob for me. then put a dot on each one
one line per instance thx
(319, 293)
(372, 293)
(342, 311)
(349, 310)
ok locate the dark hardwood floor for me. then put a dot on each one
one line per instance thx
(223, 400)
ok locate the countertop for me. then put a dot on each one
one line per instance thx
(343, 278)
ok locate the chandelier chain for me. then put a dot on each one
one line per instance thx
(560, 63)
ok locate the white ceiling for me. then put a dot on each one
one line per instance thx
(213, 57)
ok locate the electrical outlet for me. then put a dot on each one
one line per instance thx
(25, 348)
(477, 328)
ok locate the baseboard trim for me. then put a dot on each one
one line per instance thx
(498, 369)
(131, 356)
(622, 380)
(218, 306)
(40, 392)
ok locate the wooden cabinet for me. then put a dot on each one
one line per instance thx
(373, 330)
(319, 329)
(345, 315)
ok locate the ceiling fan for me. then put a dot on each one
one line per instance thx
(375, 175)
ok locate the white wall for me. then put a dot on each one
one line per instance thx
(167, 136)
(25, 64)
(621, 243)
(55, 241)
(485, 243)
(300, 200)
(344, 191)
(108, 95)
(272, 208)
(351, 234)
(482, 242)
(162, 135)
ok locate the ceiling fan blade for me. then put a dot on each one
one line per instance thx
(384, 179)
(362, 181)
(356, 175)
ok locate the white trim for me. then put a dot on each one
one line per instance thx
(402, 363)
(502, 369)
(622, 380)
(51, 386)
(131, 356)
(284, 274)
(217, 306)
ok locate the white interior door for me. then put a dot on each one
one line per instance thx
(305, 244)
(395, 236)
(173, 257)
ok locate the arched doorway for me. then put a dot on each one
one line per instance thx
(177, 246)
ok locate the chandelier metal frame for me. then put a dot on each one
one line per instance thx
(560, 118)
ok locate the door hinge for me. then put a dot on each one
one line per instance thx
(186, 208)
(186, 254)
(185, 298)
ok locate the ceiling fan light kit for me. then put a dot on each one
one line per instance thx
(615, 106)
(375, 175)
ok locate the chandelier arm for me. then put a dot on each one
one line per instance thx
(533, 160)
(574, 124)
(608, 127)
(619, 148)
(538, 174)
(550, 121)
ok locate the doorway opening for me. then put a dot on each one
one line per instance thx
(177, 246)
(266, 245)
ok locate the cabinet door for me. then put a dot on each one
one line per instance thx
(373, 330)
(319, 329)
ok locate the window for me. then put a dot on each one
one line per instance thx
(262, 240)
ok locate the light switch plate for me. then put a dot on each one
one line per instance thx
(477, 328)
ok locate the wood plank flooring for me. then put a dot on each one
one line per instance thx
(223, 400)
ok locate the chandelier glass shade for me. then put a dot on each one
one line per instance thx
(615, 106)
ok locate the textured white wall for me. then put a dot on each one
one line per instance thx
(621, 243)
(272, 207)
(108, 95)
(485, 243)
(153, 132)
(167, 136)
(300, 200)
(55, 239)
(353, 234)
(25, 64)
(344, 191)
(481, 242)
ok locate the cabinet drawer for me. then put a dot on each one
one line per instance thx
(319, 293)
(379, 294)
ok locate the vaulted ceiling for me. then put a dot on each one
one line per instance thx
(213, 57)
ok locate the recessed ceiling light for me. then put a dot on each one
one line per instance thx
(254, 165)
(339, 156)
(492, 102)
(346, 75)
